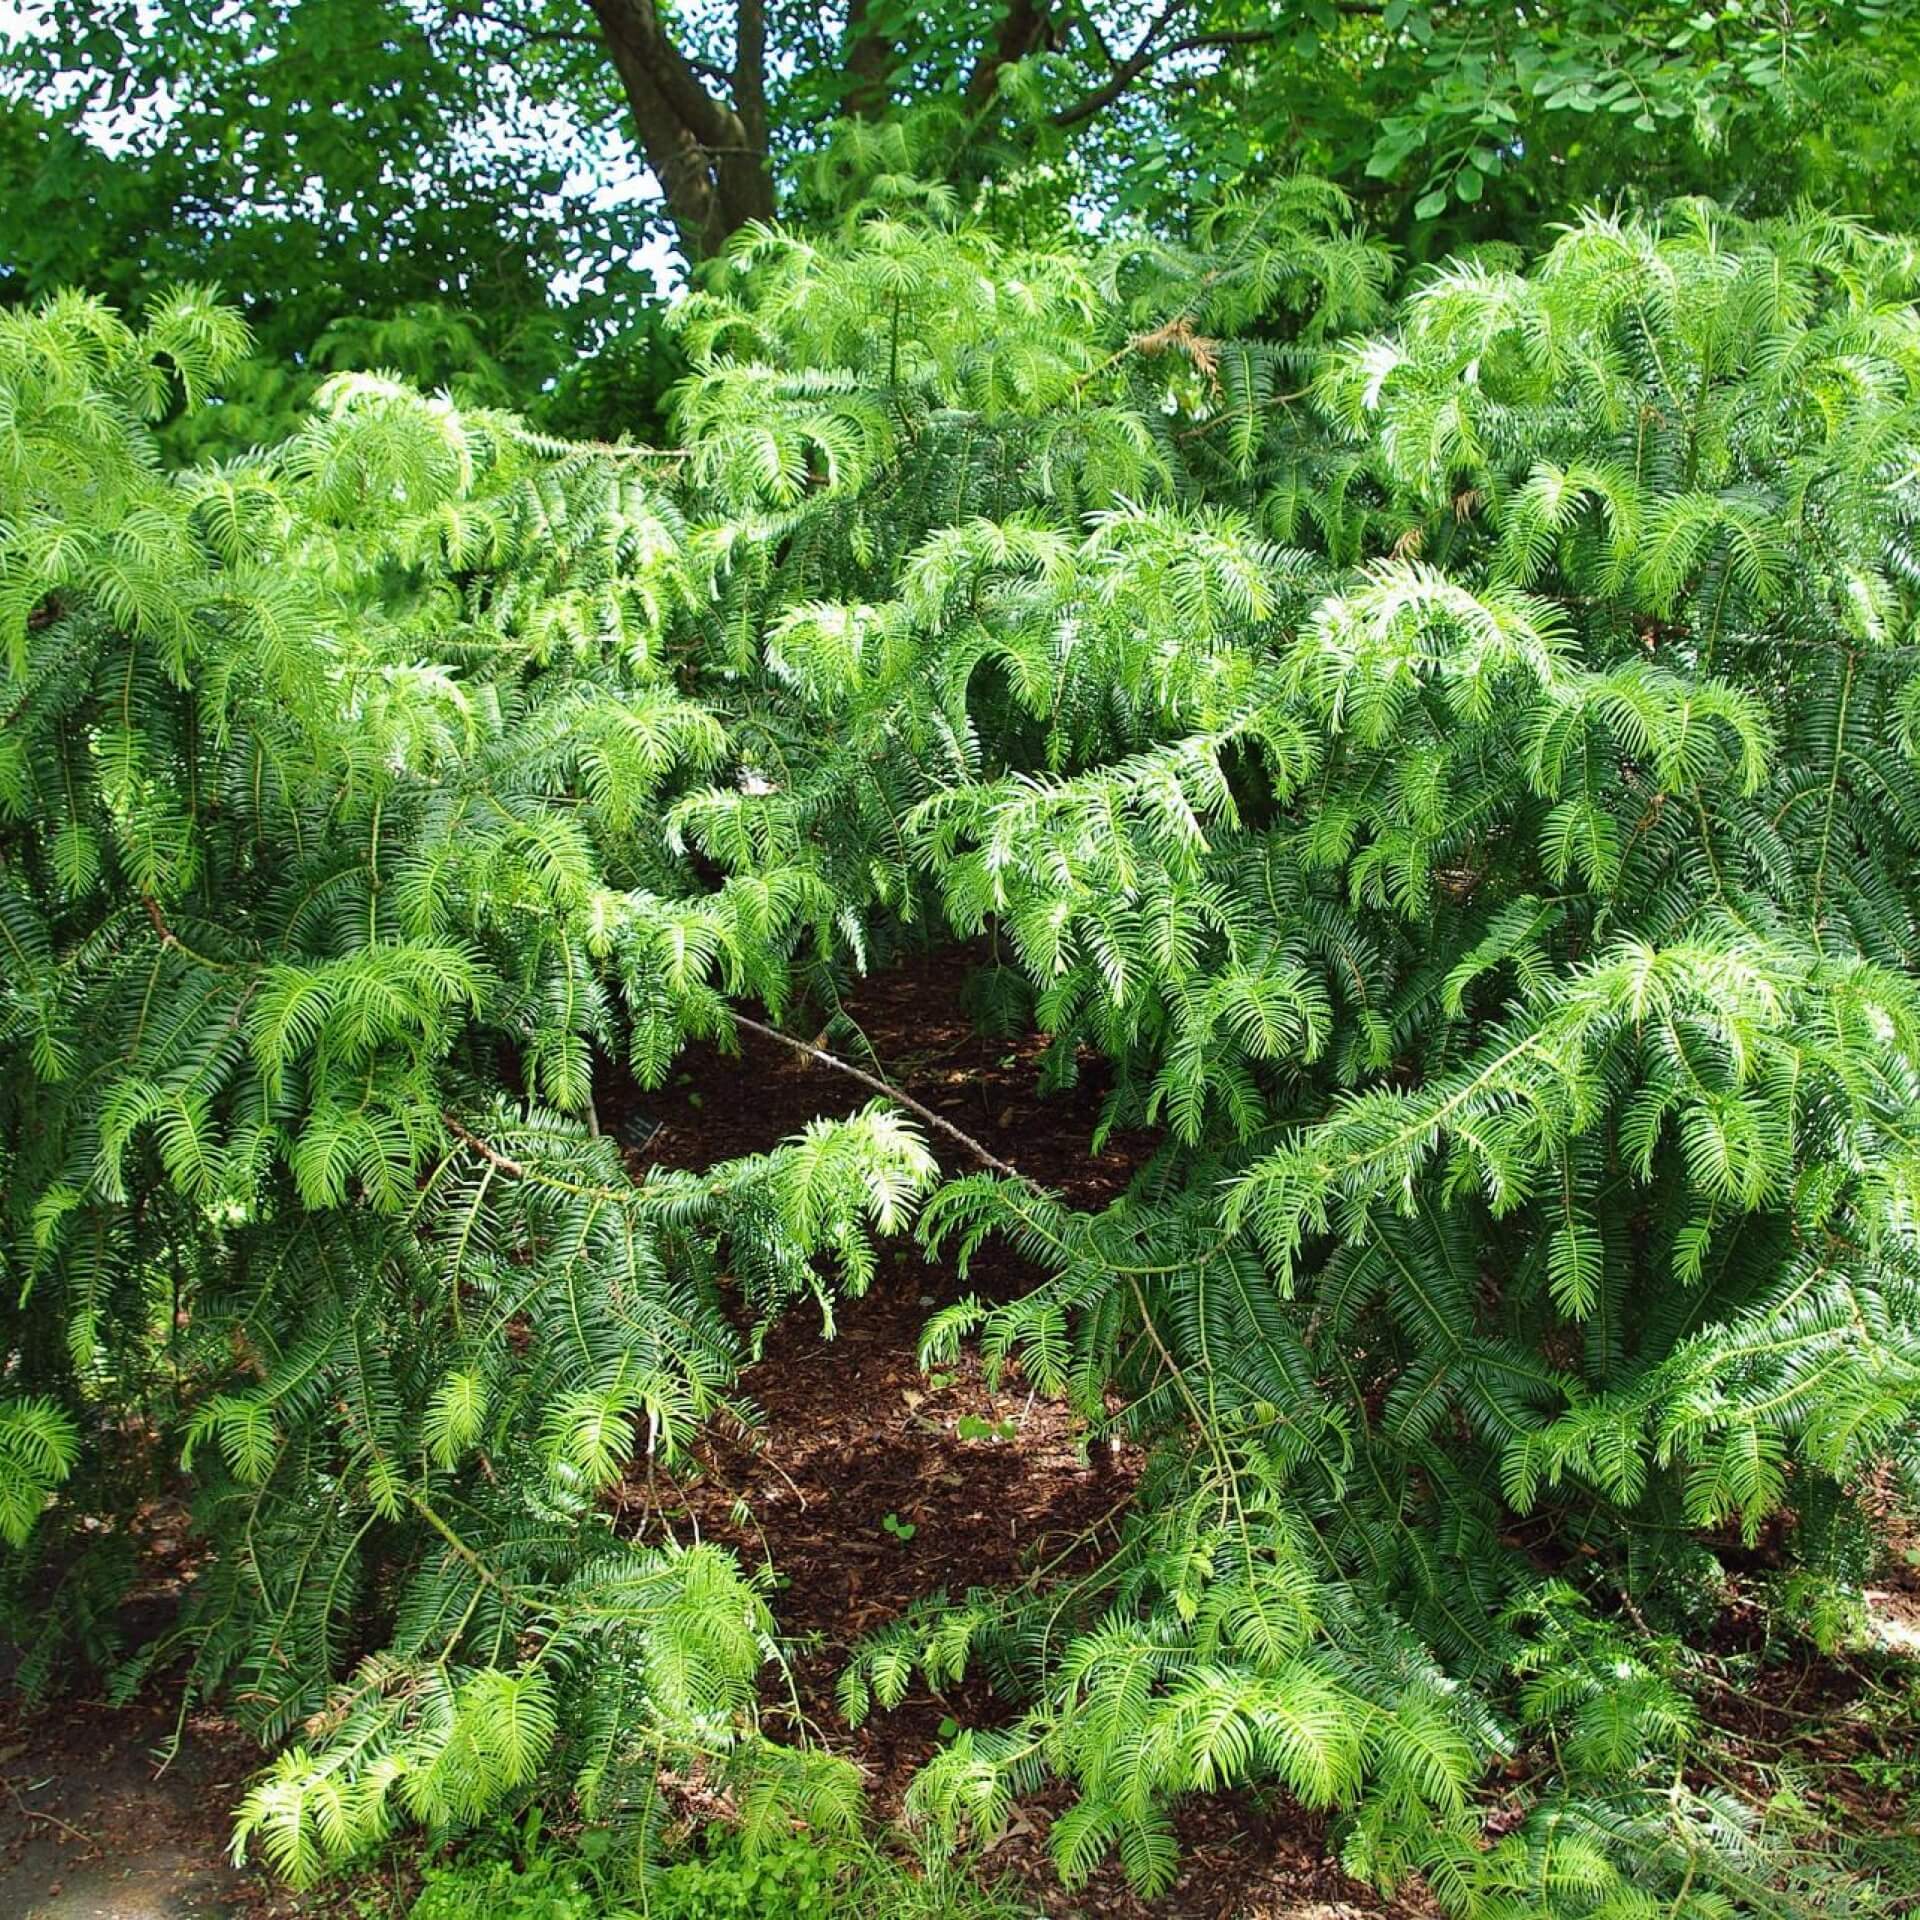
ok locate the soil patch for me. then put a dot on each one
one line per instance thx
(858, 1445)
(92, 1828)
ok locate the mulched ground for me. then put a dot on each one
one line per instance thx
(93, 1827)
(852, 1435)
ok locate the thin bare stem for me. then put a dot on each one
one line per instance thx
(821, 1057)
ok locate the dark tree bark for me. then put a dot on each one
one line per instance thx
(709, 154)
(704, 131)
(1024, 28)
(869, 64)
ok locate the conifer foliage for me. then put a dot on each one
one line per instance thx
(1450, 759)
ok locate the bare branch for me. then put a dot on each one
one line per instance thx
(1152, 51)
(556, 36)
(492, 1155)
(1125, 72)
(821, 1057)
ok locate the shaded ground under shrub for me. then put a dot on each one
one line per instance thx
(854, 1436)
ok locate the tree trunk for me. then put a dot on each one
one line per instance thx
(709, 156)
(709, 152)
(1024, 28)
(869, 64)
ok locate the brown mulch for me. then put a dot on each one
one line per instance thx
(94, 1827)
(851, 1432)
(854, 1434)
(851, 1435)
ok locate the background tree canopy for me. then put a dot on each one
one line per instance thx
(462, 190)
(1353, 566)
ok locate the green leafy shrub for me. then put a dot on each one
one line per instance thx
(547, 1889)
(723, 1879)
(1452, 761)
(733, 1885)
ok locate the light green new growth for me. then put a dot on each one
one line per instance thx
(1451, 762)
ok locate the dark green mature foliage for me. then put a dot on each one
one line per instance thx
(320, 158)
(1451, 760)
(1468, 121)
